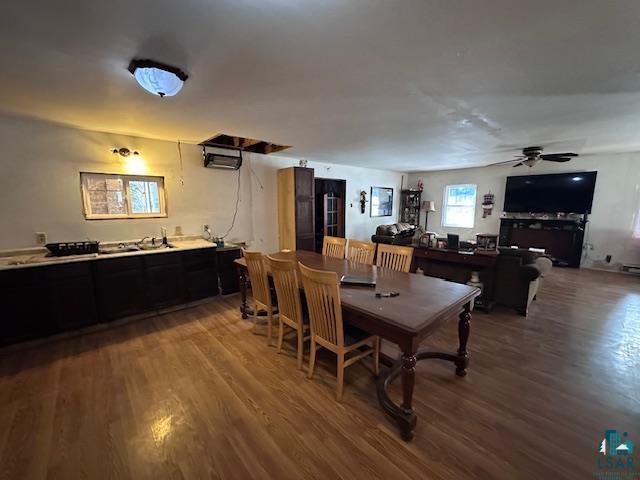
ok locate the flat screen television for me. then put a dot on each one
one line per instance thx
(558, 192)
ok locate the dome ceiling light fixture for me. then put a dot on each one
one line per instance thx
(157, 78)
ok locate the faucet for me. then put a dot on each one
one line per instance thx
(140, 244)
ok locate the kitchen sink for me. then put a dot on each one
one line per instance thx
(156, 247)
(124, 248)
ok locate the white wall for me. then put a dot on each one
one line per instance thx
(616, 204)
(40, 188)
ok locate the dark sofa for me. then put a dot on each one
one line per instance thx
(518, 277)
(394, 234)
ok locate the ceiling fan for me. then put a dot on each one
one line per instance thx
(533, 155)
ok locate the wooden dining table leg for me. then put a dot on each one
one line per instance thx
(407, 422)
(464, 327)
(242, 280)
(403, 414)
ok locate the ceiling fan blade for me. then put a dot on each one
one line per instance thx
(517, 159)
(518, 164)
(556, 159)
(548, 155)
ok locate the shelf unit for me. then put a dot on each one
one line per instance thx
(410, 201)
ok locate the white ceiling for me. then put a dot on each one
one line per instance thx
(395, 84)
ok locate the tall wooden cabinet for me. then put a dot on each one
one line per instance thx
(296, 212)
(410, 206)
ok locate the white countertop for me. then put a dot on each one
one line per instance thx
(38, 256)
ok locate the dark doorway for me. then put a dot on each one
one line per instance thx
(330, 203)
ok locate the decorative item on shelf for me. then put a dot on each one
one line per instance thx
(427, 240)
(486, 243)
(417, 235)
(420, 185)
(158, 78)
(428, 206)
(487, 204)
(303, 163)
(363, 201)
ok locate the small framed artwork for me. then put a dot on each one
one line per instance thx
(381, 201)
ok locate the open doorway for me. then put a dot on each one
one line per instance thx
(330, 205)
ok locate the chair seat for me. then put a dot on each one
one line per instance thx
(354, 335)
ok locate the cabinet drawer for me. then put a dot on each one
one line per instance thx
(68, 270)
(116, 265)
(196, 259)
(159, 259)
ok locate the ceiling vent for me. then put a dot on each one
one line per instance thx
(243, 144)
(227, 158)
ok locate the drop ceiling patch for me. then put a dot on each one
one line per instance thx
(244, 144)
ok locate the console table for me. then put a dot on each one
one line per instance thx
(561, 239)
(456, 266)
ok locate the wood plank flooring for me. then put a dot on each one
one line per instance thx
(194, 394)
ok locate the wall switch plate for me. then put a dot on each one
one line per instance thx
(41, 238)
(178, 231)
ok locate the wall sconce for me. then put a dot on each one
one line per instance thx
(363, 201)
(124, 151)
(133, 162)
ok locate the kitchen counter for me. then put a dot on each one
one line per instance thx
(39, 256)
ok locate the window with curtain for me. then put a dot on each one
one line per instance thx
(459, 206)
(107, 196)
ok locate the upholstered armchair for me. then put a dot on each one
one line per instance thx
(518, 278)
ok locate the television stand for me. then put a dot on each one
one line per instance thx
(562, 239)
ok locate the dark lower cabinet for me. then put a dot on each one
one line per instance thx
(38, 301)
(164, 280)
(200, 274)
(22, 299)
(71, 301)
(227, 270)
(120, 287)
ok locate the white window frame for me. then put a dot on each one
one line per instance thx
(84, 176)
(446, 206)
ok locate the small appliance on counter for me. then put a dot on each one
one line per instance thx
(63, 249)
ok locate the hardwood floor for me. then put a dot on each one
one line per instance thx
(194, 394)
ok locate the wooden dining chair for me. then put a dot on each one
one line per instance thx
(361, 252)
(333, 246)
(290, 313)
(260, 289)
(394, 257)
(322, 290)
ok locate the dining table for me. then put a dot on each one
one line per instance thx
(423, 305)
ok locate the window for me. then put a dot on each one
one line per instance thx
(459, 206)
(122, 196)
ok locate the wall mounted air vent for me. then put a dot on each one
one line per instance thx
(227, 158)
(244, 144)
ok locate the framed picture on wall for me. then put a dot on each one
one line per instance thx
(381, 201)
